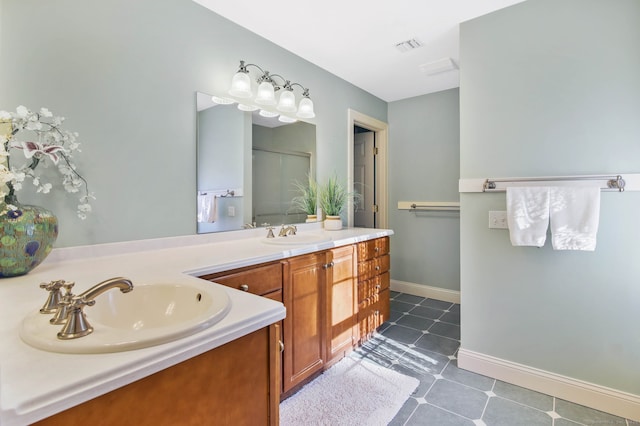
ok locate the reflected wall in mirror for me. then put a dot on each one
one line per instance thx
(246, 166)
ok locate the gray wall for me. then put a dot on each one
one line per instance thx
(124, 74)
(424, 166)
(549, 88)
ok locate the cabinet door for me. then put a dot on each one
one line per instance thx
(342, 302)
(304, 331)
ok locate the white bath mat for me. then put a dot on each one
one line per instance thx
(352, 392)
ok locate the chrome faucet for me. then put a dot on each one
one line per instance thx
(76, 324)
(287, 230)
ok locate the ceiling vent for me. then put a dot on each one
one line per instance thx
(439, 66)
(408, 45)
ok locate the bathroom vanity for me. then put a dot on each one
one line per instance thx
(200, 377)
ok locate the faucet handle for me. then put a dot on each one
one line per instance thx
(55, 297)
(76, 324)
(270, 232)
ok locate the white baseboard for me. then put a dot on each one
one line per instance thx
(422, 290)
(601, 398)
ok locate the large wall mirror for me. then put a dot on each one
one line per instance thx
(247, 165)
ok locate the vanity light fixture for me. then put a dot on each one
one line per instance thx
(266, 94)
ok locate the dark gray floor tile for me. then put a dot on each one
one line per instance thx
(434, 362)
(633, 423)
(402, 334)
(501, 412)
(564, 422)
(455, 308)
(439, 344)
(395, 316)
(393, 294)
(408, 369)
(409, 298)
(446, 329)
(381, 351)
(415, 322)
(436, 304)
(524, 396)
(480, 382)
(424, 311)
(405, 412)
(451, 317)
(401, 306)
(585, 415)
(457, 398)
(428, 415)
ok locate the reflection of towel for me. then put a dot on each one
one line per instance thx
(207, 208)
(575, 213)
(528, 215)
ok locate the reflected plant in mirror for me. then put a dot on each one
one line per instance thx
(307, 198)
(247, 165)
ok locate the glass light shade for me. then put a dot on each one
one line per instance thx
(285, 119)
(266, 95)
(241, 85)
(268, 114)
(305, 109)
(222, 101)
(287, 101)
(245, 107)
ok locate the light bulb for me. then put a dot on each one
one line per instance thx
(305, 109)
(285, 119)
(241, 85)
(268, 114)
(266, 95)
(287, 101)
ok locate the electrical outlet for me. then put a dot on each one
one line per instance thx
(231, 211)
(498, 220)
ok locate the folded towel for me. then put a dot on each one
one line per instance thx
(528, 215)
(575, 214)
(207, 208)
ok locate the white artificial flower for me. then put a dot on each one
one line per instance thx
(22, 111)
(45, 188)
(45, 112)
(5, 115)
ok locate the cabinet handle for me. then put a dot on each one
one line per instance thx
(281, 345)
(244, 287)
(377, 267)
(376, 249)
(328, 265)
(378, 286)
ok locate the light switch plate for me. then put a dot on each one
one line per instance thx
(498, 220)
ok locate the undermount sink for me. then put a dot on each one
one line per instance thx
(298, 239)
(147, 316)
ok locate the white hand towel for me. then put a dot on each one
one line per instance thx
(207, 208)
(528, 215)
(575, 214)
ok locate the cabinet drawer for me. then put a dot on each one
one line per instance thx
(373, 286)
(372, 313)
(258, 280)
(373, 267)
(373, 248)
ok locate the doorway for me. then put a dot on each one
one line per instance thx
(367, 170)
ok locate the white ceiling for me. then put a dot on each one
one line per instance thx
(355, 39)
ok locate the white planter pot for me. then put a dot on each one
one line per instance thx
(311, 218)
(333, 223)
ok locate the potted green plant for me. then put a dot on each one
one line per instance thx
(333, 198)
(307, 198)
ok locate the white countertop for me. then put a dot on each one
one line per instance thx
(35, 384)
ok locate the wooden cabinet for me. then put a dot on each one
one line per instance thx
(263, 280)
(373, 285)
(234, 384)
(334, 299)
(342, 302)
(304, 280)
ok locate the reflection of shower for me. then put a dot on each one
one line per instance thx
(274, 172)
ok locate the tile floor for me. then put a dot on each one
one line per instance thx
(421, 339)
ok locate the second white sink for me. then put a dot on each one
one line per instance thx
(298, 239)
(147, 316)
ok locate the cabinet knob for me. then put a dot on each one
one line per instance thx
(377, 267)
(328, 265)
(376, 249)
(244, 287)
(378, 286)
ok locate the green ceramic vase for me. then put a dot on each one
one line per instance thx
(27, 238)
